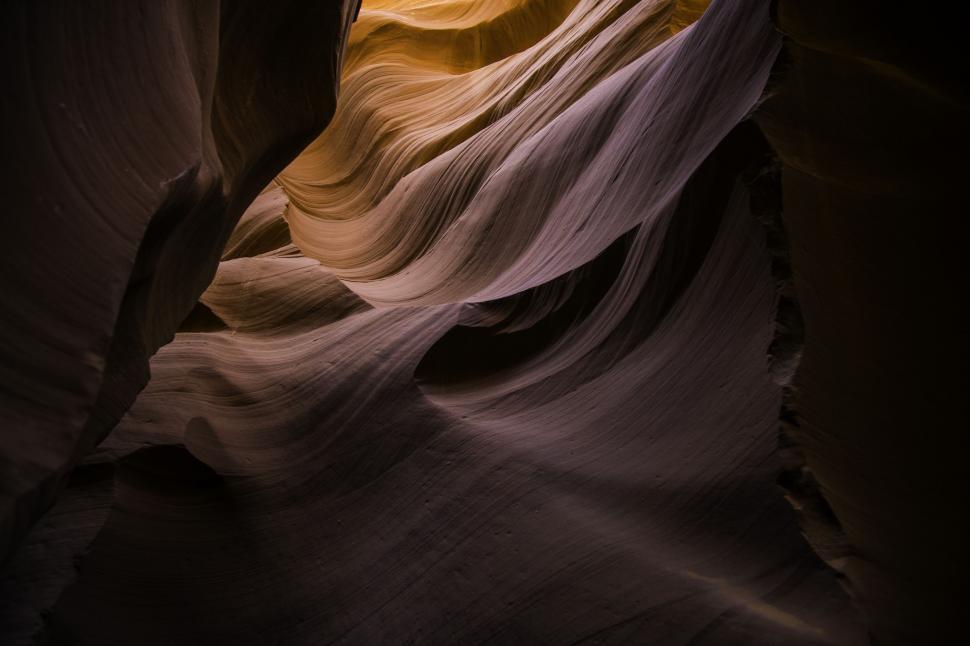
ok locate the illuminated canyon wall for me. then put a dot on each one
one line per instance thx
(477, 321)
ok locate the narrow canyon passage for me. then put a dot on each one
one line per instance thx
(434, 322)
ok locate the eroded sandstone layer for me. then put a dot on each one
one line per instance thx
(498, 357)
(135, 135)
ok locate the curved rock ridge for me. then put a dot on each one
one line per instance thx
(486, 363)
(135, 134)
(627, 497)
(499, 356)
(599, 104)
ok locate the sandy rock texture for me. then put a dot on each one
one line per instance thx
(466, 322)
(135, 135)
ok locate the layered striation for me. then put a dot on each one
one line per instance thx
(136, 134)
(499, 355)
(424, 190)
(486, 362)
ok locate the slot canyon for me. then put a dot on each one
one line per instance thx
(482, 322)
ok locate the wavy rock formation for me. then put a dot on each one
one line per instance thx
(498, 357)
(136, 133)
(590, 109)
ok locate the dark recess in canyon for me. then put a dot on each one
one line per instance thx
(525, 321)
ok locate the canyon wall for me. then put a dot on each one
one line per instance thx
(500, 354)
(136, 134)
(870, 119)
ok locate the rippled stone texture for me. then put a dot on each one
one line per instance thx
(498, 357)
(136, 133)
